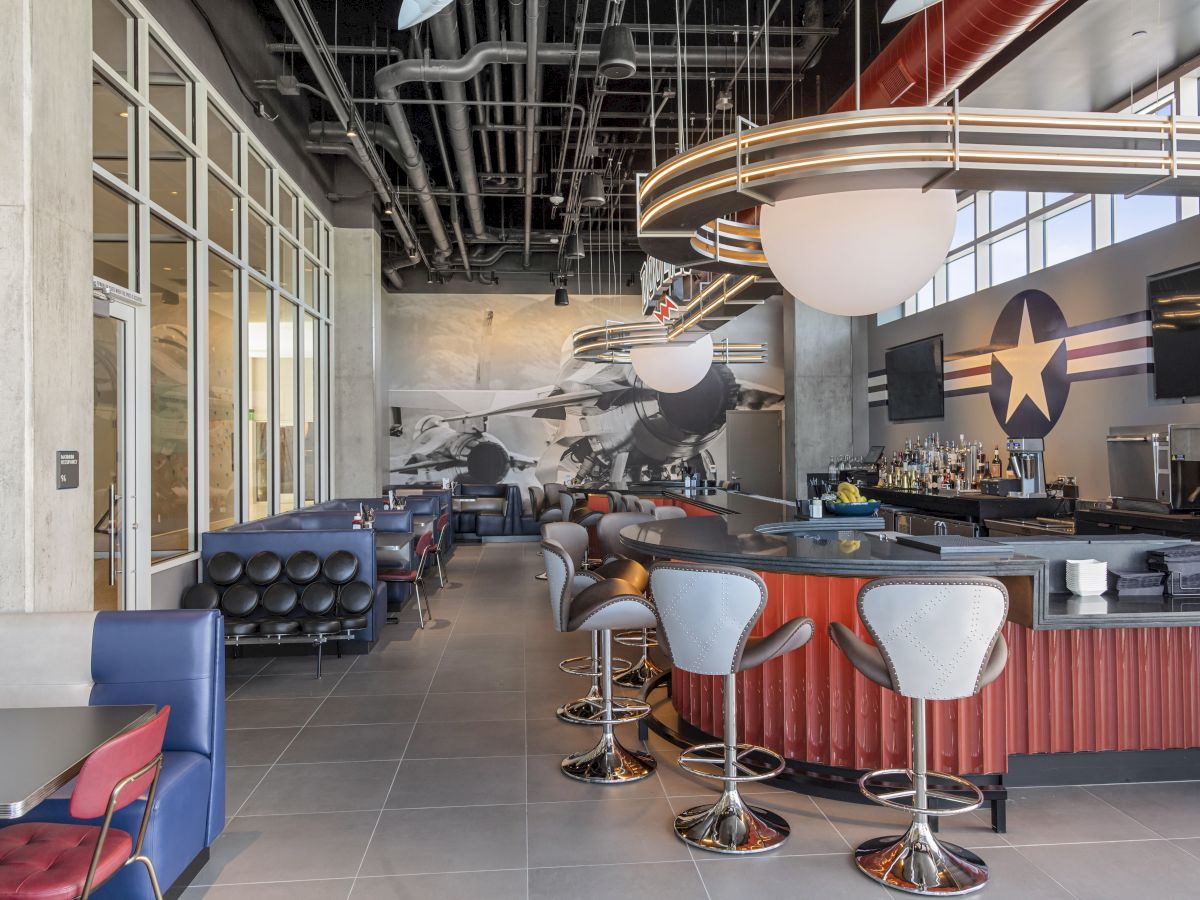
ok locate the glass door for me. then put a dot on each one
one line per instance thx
(113, 360)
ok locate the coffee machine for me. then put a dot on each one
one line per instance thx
(1027, 465)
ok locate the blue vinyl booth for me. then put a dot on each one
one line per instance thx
(321, 532)
(173, 657)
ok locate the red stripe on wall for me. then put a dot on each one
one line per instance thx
(1110, 347)
(974, 370)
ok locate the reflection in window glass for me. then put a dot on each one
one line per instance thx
(287, 266)
(222, 215)
(258, 395)
(223, 393)
(925, 296)
(171, 517)
(287, 405)
(310, 283)
(170, 89)
(170, 174)
(114, 221)
(960, 277)
(258, 180)
(311, 404)
(258, 243)
(113, 32)
(964, 226)
(1010, 257)
(1137, 215)
(287, 208)
(310, 233)
(1069, 234)
(222, 143)
(114, 131)
(1007, 206)
(891, 314)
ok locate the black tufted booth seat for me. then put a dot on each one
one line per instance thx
(317, 600)
(279, 600)
(303, 567)
(354, 602)
(264, 567)
(225, 568)
(201, 596)
(238, 602)
(340, 567)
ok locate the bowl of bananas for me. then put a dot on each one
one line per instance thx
(850, 502)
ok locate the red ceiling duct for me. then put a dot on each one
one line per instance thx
(970, 31)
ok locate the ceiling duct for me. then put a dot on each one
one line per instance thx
(618, 59)
(940, 49)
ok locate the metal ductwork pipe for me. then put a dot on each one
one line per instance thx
(471, 35)
(381, 134)
(492, 16)
(912, 69)
(535, 20)
(516, 34)
(444, 30)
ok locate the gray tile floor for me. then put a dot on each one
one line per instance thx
(429, 769)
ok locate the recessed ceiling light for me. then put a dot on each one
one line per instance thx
(166, 268)
(123, 115)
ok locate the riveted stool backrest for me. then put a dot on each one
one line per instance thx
(936, 634)
(669, 512)
(609, 533)
(706, 613)
(560, 575)
(629, 503)
(571, 537)
(566, 502)
(615, 503)
(537, 500)
(552, 492)
(647, 506)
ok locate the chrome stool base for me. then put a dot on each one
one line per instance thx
(918, 863)
(587, 711)
(638, 675)
(731, 826)
(583, 711)
(609, 763)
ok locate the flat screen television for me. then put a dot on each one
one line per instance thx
(914, 381)
(1175, 329)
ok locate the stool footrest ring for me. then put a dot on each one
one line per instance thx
(589, 666)
(635, 637)
(880, 786)
(713, 755)
(624, 709)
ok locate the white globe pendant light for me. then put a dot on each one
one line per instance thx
(673, 368)
(858, 252)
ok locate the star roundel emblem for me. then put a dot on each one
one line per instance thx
(1029, 365)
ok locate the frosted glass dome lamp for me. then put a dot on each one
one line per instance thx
(673, 368)
(855, 253)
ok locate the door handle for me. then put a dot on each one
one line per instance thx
(112, 533)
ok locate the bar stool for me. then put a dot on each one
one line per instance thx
(629, 566)
(935, 639)
(599, 608)
(573, 539)
(616, 503)
(662, 513)
(543, 512)
(705, 615)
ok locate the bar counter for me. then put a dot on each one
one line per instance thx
(1076, 685)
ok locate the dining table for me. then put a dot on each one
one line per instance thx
(43, 748)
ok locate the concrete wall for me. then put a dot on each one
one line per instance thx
(826, 391)
(1108, 283)
(46, 320)
(357, 389)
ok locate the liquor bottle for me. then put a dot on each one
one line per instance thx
(997, 468)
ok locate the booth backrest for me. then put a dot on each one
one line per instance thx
(46, 658)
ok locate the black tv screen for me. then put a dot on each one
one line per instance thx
(914, 381)
(1175, 320)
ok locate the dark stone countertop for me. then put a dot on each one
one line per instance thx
(967, 505)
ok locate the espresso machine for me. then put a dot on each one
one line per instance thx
(1027, 466)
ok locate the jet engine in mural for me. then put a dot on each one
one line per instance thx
(597, 422)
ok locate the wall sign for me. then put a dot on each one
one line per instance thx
(68, 470)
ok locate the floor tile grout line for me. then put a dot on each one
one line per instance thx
(1038, 868)
(396, 774)
(271, 767)
(1087, 790)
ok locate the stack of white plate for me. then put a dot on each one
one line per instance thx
(1087, 577)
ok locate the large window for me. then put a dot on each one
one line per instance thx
(228, 257)
(1003, 235)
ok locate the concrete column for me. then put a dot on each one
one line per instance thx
(825, 379)
(357, 390)
(45, 303)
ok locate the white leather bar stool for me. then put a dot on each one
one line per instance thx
(573, 539)
(935, 639)
(629, 566)
(599, 608)
(669, 512)
(543, 512)
(705, 615)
